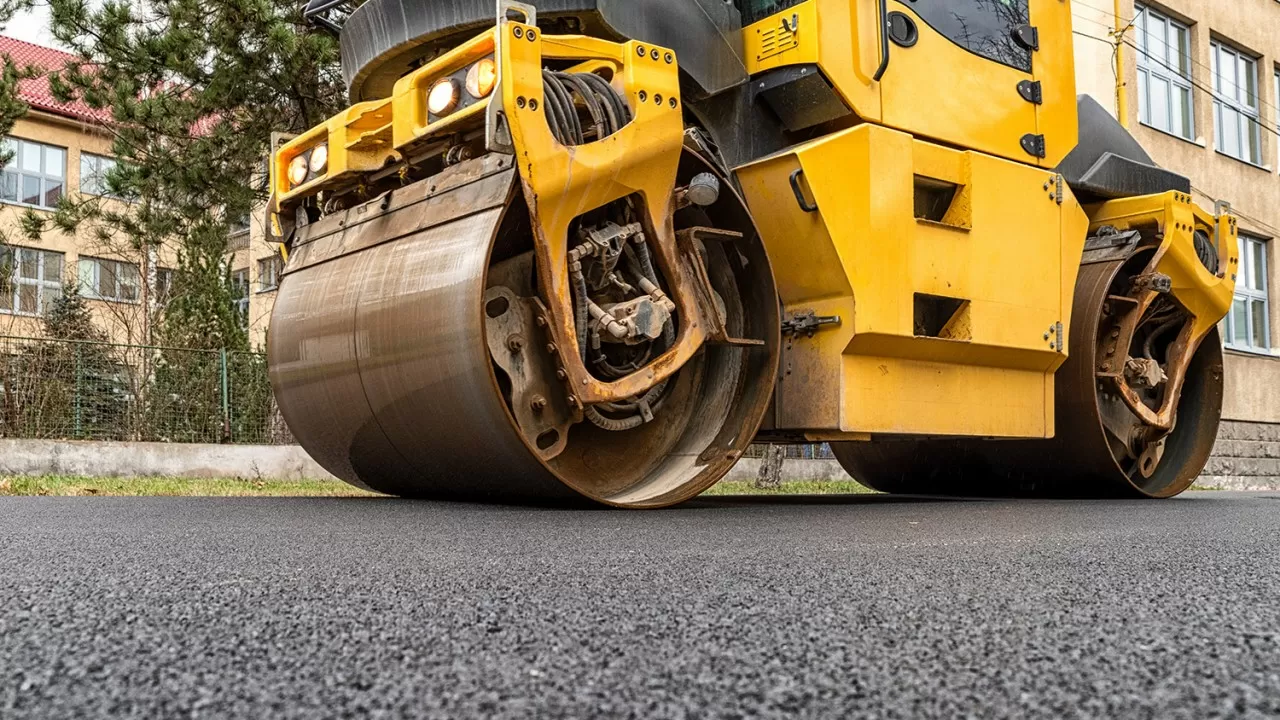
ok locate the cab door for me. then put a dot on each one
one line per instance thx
(954, 71)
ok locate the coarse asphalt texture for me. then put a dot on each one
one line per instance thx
(863, 606)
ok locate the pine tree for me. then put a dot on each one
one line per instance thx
(68, 318)
(195, 88)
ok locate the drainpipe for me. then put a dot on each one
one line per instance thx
(1122, 89)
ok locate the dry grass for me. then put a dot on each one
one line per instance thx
(63, 486)
(67, 486)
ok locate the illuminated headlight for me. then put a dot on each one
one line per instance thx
(319, 158)
(481, 78)
(443, 97)
(298, 170)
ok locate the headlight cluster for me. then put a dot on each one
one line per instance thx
(478, 80)
(309, 165)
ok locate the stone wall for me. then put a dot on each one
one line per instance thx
(1246, 457)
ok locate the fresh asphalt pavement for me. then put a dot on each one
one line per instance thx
(726, 607)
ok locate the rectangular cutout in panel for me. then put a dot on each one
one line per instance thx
(933, 198)
(942, 317)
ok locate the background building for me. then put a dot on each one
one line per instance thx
(62, 148)
(1199, 84)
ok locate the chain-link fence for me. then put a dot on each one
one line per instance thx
(59, 389)
(812, 451)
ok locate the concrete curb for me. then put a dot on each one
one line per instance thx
(291, 462)
(142, 459)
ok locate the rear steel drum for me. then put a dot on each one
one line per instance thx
(1084, 458)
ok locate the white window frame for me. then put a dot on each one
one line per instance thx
(93, 181)
(269, 268)
(1237, 121)
(1164, 64)
(50, 174)
(90, 271)
(164, 285)
(47, 285)
(1250, 300)
(240, 294)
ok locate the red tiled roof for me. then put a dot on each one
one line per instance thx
(35, 91)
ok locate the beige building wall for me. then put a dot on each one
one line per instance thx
(125, 322)
(1252, 27)
(251, 253)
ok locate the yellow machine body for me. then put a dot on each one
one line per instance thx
(927, 254)
(1000, 260)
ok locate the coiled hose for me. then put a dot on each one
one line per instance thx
(608, 110)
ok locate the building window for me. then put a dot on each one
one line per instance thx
(164, 285)
(30, 280)
(1235, 104)
(240, 294)
(238, 225)
(1164, 74)
(1248, 326)
(35, 174)
(93, 173)
(269, 273)
(108, 280)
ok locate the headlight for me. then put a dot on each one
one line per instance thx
(481, 78)
(298, 170)
(320, 158)
(443, 97)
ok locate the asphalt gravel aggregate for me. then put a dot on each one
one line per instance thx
(849, 607)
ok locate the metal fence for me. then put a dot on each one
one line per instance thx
(60, 389)
(811, 451)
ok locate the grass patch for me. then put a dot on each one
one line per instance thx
(62, 486)
(793, 487)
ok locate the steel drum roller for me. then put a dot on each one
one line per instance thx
(381, 366)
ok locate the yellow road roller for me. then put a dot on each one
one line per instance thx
(597, 248)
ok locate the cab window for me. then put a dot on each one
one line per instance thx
(983, 27)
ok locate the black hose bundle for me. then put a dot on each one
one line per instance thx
(607, 109)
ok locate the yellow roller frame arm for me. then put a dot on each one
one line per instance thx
(561, 183)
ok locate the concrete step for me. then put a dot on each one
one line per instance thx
(1247, 449)
(1235, 430)
(1243, 467)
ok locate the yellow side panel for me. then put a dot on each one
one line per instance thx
(1005, 253)
(896, 396)
(840, 36)
(1056, 118)
(934, 88)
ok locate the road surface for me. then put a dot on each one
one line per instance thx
(860, 606)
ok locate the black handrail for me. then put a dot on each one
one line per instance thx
(884, 41)
(795, 188)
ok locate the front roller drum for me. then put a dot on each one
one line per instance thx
(407, 358)
(1098, 450)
